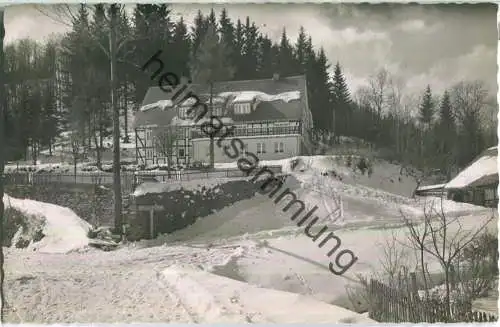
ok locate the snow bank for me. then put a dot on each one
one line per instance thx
(64, 231)
(216, 299)
(152, 188)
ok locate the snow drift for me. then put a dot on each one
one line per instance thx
(215, 299)
(63, 230)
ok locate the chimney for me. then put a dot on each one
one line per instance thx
(276, 76)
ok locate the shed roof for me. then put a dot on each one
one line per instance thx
(482, 171)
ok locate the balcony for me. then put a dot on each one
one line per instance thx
(259, 131)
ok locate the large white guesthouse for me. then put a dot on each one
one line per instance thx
(270, 116)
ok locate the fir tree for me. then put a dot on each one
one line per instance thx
(322, 101)
(236, 54)
(426, 109)
(182, 45)
(445, 135)
(250, 50)
(226, 32)
(286, 62)
(198, 31)
(266, 59)
(212, 20)
(341, 101)
(301, 51)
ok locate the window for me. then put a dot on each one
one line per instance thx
(181, 153)
(261, 148)
(149, 135)
(490, 194)
(186, 112)
(217, 110)
(242, 108)
(182, 112)
(279, 147)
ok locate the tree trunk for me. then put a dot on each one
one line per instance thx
(422, 264)
(125, 112)
(116, 124)
(34, 152)
(75, 161)
(212, 136)
(3, 104)
(100, 146)
(447, 298)
(96, 136)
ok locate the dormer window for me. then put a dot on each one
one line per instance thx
(242, 108)
(183, 112)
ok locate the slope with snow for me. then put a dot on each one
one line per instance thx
(64, 231)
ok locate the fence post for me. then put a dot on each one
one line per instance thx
(413, 281)
(452, 278)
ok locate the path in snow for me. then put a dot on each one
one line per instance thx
(125, 285)
(73, 289)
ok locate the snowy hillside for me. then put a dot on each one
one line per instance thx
(63, 230)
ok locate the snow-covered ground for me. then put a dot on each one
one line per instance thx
(246, 263)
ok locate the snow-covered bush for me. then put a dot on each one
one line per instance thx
(20, 229)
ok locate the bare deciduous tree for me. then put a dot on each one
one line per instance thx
(437, 239)
(76, 150)
(165, 143)
(468, 98)
(380, 86)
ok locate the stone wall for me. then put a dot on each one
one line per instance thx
(182, 207)
(91, 203)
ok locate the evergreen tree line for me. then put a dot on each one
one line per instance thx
(64, 84)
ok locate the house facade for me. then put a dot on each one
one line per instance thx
(271, 117)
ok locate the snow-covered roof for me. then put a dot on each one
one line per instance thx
(189, 122)
(216, 99)
(482, 171)
(250, 96)
(162, 104)
(431, 187)
(274, 100)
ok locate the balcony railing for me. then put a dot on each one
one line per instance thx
(285, 130)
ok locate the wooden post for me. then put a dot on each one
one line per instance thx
(151, 222)
(413, 281)
(452, 278)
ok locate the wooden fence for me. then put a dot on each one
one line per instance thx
(128, 180)
(393, 306)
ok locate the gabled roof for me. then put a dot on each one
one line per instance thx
(267, 110)
(482, 171)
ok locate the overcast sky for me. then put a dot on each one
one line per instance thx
(421, 44)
